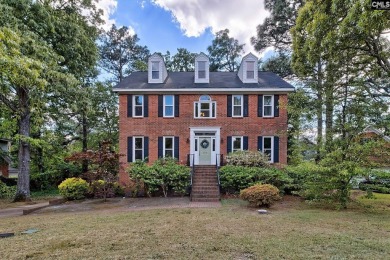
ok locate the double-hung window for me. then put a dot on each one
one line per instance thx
(268, 147)
(138, 105)
(237, 143)
(268, 104)
(250, 69)
(138, 148)
(237, 105)
(169, 104)
(201, 69)
(168, 146)
(205, 108)
(155, 69)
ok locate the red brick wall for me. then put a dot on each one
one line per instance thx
(4, 169)
(154, 126)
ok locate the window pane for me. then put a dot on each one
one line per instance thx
(169, 111)
(201, 65)
(267, 143)
(138, 100)
(155, 74)
(250, 65)
(213, 145)
(138, 111)
(204, 113)
(213, 110)
(155, 66)
(196, 109)
(237, 100)
(168, 100)
(196, 145)
(237, 111)
(205, 98)
(268, 111)
(138, 143)
(250, 74)
(168, 153)
(268, 152)
(168, 143)
(138, 154)
(267, 100)
(202, 74)
(236, 143)
(204, 106)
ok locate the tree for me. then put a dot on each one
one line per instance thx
(279, 64)
(120, 54)
(183, 60)
(49, 46)
(224, 52)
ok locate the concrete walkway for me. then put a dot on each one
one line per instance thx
(22, 210)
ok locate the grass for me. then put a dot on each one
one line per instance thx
(230, 232)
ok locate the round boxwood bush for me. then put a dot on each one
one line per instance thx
(260, 195)
(73, 188)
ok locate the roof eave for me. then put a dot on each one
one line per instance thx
(205, 90)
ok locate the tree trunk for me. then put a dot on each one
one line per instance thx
(85, 141)
(329, 103)
(23, 188)
(319, 111)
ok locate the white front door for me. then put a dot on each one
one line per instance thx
(205, 150)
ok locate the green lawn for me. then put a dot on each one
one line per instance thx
(233, 231)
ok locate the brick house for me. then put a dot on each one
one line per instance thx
(201, 115)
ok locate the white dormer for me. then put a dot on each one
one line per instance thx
(248, 72)
(202, 64)
(157, 72)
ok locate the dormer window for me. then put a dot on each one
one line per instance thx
(155, 70)
(250, 69)
(201, 69)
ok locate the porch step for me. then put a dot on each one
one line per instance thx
(205, 184)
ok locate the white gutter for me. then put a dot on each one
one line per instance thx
(203, 90)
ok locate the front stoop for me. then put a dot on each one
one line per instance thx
(205, 184)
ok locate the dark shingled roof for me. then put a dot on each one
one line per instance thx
(218, 80)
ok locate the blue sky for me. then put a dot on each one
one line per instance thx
(165, 25)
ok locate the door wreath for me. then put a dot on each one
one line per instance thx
(204, 144)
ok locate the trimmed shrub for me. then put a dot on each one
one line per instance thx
(73, 188)
(102, 189)
(248, 158)
(236, 178)
(260, 195)
(7, 192)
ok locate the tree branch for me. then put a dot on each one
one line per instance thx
(8, 103)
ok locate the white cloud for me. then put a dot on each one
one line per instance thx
(108, 7)
(195, 16)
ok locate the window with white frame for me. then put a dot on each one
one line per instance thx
(155, 69)
(138, 148)
(168, 146)
(138, 105)
(237, 143)
(169, 101)
(205, 108)
(268, 147)
(237, 105)
(250, 69)
(201, 69)
(268, 105)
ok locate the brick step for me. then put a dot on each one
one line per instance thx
(201, 189)
(206, 187)
(204, 179)
(206, 195)
(204, 183)
(205, 199)
(205, 174)
(197, 198)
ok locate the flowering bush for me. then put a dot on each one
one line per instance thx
(260, 195)
(73, 188)
(248, 158)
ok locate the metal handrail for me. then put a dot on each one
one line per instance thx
(217, 165)
(191, 163)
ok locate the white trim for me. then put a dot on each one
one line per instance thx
(216, 130)
(242, 105)
(272, 106)
(211, 103)
(272, 147)
(241, 144)
(173, 105)
(134, 105)
(206, 90)
(143, 147)
(173, 145)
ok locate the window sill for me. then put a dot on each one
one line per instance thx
(205, 118)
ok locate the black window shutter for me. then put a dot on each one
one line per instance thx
(160, 147)
(146, 148)
(229, 105)
(146, 106)
(177, 106)
(160, 106)
(260, 105)
(276, 149)
(229, 144)
(246, 112)
(276, 105)
(260, 143)
(245, 144)
(129, 149)
(129, 105)
(177, 151)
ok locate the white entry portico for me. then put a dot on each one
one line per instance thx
(205, 145)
